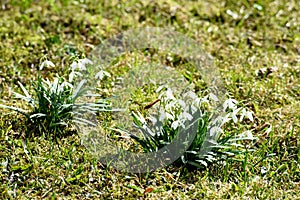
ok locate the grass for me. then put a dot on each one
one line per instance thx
(243, 36)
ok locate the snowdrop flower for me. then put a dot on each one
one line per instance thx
(229, 103)
(226, 119)
(85, 61)
(80, 64)
(175, 124)
(169, 116)
(220, 120)
(197, 102)
(169, 94)
(246, 113)
(65, 84)
(193, 109)
(100, 75)
(46, 63)
(215, 131)
(213, 97)
(192, 95)
(248, 135)
(187, 116)
(203, 100)
(72, 75)
(162, 115)
(170, 105)
(234, 114)
(54, 86)
(181, 103)
(47, 81)
(263, 170)
(153, 119)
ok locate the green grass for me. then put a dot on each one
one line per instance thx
(265, 34)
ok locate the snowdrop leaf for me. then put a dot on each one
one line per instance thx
(24, 90)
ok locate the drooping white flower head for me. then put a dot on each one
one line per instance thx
(73, 75)
(229, 103)
(101, 74)
(81, 64)
(47, 64)
(247, 114)
(247, 134)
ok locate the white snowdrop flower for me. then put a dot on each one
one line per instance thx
(248, 135)
(230, 103)
(142, 119)
(71, 76)
(257, 6)
(234, 114)
(67, 84)
(232, 14)
(192, 95)
(215, 130)
(181, 103)
(193, 108)
(218, 120)
(250, 116)
(263, 170)
(81, 64)
(153, 119)
(169, 116)
(246, 113)
(101, 74)
(226, 119)
(197, 102)
(234, 118)
(175, 124)
(204, 99)
(85, 61)
(74, 65)
(186, 108)
(187, 115)
(170, 105)
(162, 115)
(47, 82)
(243, 114)
(47, 63)
(169, 94)
(54, 85)
(60, 88)
(213, 97)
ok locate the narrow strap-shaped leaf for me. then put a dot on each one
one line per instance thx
(78, 89)
(24, 90)
(19, 110)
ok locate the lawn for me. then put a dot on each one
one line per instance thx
(255, 46)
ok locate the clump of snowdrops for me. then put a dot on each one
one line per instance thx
(211, 143)
(53, 103)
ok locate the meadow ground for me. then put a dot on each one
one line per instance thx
(256, 45)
